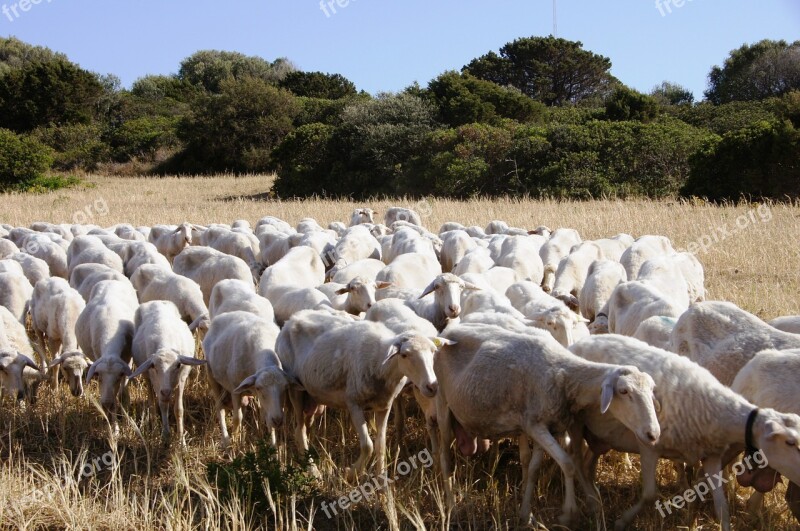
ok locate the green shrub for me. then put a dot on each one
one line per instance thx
(77, 146)
(143, 137)
(303, 162)
(628, 104)
(22, 160)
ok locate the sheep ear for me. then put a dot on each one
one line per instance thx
(126, 370)
(58, 361)
(187, 360)
(442, 342)
(90, 372)
(382, 284)
(29, 362)
(607, 395)
(246, 386)
(201, 322)
(141, 368)
(428, 290)
(394, 350)
(342, 291)
(656, 404)
(470, 285)
(294, 382)
(773, 429)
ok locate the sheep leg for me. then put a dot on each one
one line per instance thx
(381, 421)
(530, 461)
(576, 453)
(219, 395)
(179, 413)
(236, 414)
(300, 431)
(755, 503)
(360, 424)
(649, 460)
(712, 466)
(164, 407)
(541, 435)
(446, 437)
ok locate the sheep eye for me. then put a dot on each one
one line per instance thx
(403, 355)
(791, 442)
(623, 391)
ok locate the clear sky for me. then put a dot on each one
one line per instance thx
(387, 45)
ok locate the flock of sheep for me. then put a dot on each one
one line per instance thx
(573, 347)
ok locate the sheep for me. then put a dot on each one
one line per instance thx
(10, 266)
(7, 248)
(12, 369)
(242, 224)
(300, 268)
(633, 302)
(498, 279)
(656, 331)
(105, 332)
(612, 248)
(545, 390)
(603, 276)
(768, 380)
(235, 295)
(401, 214)
(15, 294)
(521, 253)
(273, 244)
(288, 300)
(488, 301)
(338, 227)
(208, 266)
(55, 308)
(496, 227)
(405, 241)
(129, 232)
(154, 283)
(722, 338)
(91, 250)
(362, 215)
(692, 271)
(553, 250)
(235, 243)
(35, 269)
(411, 270)
(477, 260)
(475, 231)
(356, 366)
(138, 253)
(323, 242)
(240, 350)
(572, 272)
(171, 240)
(643, 249)
(446, 304)
(701, 420)
(547, 312)
(455, 245)
(278, 224)
(14, 335)
(61, 230)
(44, 248)
(163, 347)
(355, 297)
(85, 276)
(355, 244)
(367, 268)
(449, 226)
(787, 323)
(664, 274)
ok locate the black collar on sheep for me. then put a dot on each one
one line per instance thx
(750, 448)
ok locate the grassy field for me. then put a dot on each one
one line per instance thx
(750, 254)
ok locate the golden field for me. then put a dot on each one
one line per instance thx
(42, 449)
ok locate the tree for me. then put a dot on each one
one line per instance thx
(756, 71)
(52, 92)
(672, 94)
(15, 54)
(319, 85)
(464, 99)
(22, 159)
(548, 69)
(208, 69)
(236, 129)
(628, 104)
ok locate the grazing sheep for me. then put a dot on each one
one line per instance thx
(85, 276)
(722, 338)
(367, 268)
(208, 266)
(656, 331)
(171, 240)
(153, 283)
(496, 227)
(572, 273)
(405, 241)
(14, 336)
(355, 244)
(787, 323)
(411, 270)
(129, 232)
(401, 214)
(55, 308)
(769, 380)
(15, 294)
(521, 253)
(356, 366)
(7, 248)
(302, 267)
(240, 349)
(643, 249)
(355, 297)
(35, 269)
(446, 304)
(603, 276)
(105, 332)
(554, 249)
(478, 260)
(546, 312)
(138, 253)
(450, 226)
(701, 421)
(633, 302)
(287, 301)
(234, 295)
(12, 369)
(497, 279)
(90, 249)
(455, 246)
(10, 266)
(273, 244)
(235, 243)
(164, 347)
(362, 215)
(278, 224)
(545, 390)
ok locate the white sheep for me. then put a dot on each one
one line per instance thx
(15, 294)
(643, 249)
(405, 240)
(55, 308)
(455, 246)
(135, 254)
(240, 349)
(546, 312)
(656, 331)
(287, 300)
(545, 391)
(355, 244)
(105, 332)
(163, 347)
(153, 283)
(401, 214)
(90, 249)
(13, 336)
(411, 270)
(7, 248)
(633, 302)
(234, 295)
(478, 260)
(787, 323)
(302, 267)
(356, 366)
(498, 279)
(170, 240)
(278, 224)
(208, 266)
(355, 297)
(85, 276)
(521, 253)
(235, 243)
(701, 420)
(338, 227)
(554, 249)
(572, 273)
(273, 244)
(367, 268)
(446, 303)
(362, 215)
(722, 338)
(603, 276)
(35, 269)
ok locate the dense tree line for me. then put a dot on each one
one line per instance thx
(542, 116)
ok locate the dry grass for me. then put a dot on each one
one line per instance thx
(42, 449)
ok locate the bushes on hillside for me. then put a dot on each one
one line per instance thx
(22, 159)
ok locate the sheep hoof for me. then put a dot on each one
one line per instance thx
(568, 520)
(619, 525)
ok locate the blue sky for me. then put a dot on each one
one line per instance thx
(387, 45)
